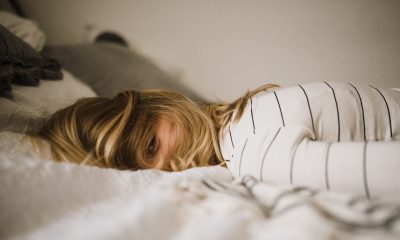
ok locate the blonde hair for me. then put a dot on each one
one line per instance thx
(115, 133)
(221, 113)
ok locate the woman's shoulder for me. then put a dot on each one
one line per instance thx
(335, 86)
(327, 89)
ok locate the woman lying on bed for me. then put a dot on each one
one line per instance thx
(327, 135)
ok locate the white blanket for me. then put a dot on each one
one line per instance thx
(42, 199)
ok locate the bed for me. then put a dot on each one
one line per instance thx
(43, 199)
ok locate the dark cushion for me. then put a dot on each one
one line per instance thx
(110, 68)
(21, 64)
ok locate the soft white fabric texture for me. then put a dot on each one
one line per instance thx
(42, 199)
(25, 29)
(333, 136)
(26, 108)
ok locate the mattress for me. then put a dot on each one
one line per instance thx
(42, 199)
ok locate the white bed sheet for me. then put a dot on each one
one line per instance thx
(42, 199)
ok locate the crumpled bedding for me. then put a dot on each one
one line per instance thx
(21, 64)
(41, 199)
(25, 29)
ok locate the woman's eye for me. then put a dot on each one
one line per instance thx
(152, 147)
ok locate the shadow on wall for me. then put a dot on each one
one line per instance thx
(226, 47)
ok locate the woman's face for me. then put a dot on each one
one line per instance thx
(161, 145)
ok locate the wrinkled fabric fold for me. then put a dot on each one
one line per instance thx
(21, 64)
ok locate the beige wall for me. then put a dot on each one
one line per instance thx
(221, 48)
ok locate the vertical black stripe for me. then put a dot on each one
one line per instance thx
(292, 165)
(387, 107)
(241, 156)
(280, 109)
(230, 135)
(252, 117)
(265, 154)
(362, 111)
(365, 177)
(328, 187)
(337, 109)
(309, 108)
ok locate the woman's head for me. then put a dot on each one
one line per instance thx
(134, 130)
